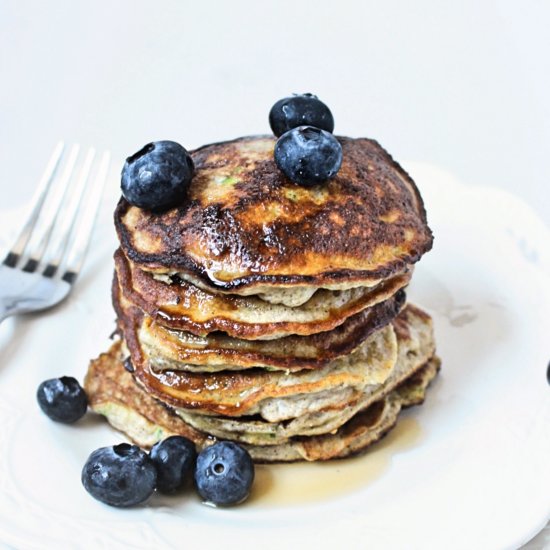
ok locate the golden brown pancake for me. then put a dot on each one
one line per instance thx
(169, 349)
(113, 393)
(246, 228)
(364, 429)
(277, 395)
(176, 350)
(412, 356)
(252, 391)
(183, 306)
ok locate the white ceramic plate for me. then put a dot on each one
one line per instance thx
(468, 469)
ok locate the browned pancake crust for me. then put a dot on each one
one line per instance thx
(183, 306)
(328, 346)
(245, 224)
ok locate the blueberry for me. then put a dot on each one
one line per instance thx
(122, 475)
(174, 458)
(157, 176)
(308, 155)
(224, 474)
(62, 399)
(300, 110)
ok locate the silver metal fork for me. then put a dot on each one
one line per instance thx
(45, 260)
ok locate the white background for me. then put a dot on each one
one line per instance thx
(461, 85)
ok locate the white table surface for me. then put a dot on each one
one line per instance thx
(461, 85)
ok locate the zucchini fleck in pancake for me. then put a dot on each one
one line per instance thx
(247, 229)
(181, 305)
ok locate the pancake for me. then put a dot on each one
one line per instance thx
(177, 350)
(246, 229)
(364, 429)
(412, 356)
(113, 393)
(183, 306)
(273, 393)
(280, 396)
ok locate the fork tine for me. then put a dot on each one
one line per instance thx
(48, 215)
(83, 230)
(16, 251)
(62, 233)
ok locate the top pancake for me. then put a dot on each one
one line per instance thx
(247, 229)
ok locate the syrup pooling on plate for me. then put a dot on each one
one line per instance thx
(281, 485)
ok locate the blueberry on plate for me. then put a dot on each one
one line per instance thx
(224, 474)
(300, 110)
(174, 458)
(157, 176)
(308, 155)
(122, 475)
(62, 399)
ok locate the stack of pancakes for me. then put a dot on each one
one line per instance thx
(267, 313)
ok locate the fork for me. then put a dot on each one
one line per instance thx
(41, 267)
